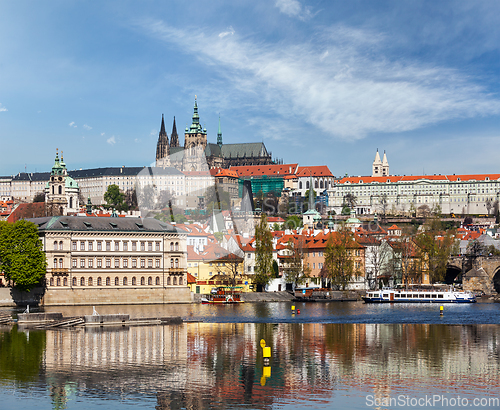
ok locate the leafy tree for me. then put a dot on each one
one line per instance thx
(22, 258)
(295, 269)
(276, 269)
(219, 236)
(350, 200)
(345, 210)
(39, 197)
(292, 222)
(131, 198)
(115, 198)
(230, 266)
(339, 258)
(263, 253)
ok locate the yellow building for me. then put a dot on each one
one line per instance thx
(214, 267)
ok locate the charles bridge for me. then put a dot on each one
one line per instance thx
(481, 273)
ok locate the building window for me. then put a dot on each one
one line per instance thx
(117, 263)
(108, 263)
(74, 281)
(108, 281)
(157, 246)
(91, 246)
(125, 281)
(125, 246)
(171, 246)
(55, 245)
(157, 263)
(168, 281)
(157, 280)
(55, 263)
(134, 282)
(60, 263)
(143, 263)
(73, 245)
(58, 281)
(150, 280)
(60, 245)
(117, 246)
(180, 281)
(174, 281)
(134, 246)
(125, 263)
(99, 263)
(51, 281)
(150, 263)
(134, 263)
(143, 246)
(177, 246)
(82, 245)
(90, 281)
(99, 281)
(176, 262)
(108, 246)
(171, 262)
(82, 263)
(99, 246)
(82, 281)
(91, 263)
(142, 280)
(150, 246)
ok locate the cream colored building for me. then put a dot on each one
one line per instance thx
(106, 260)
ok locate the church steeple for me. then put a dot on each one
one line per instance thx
(162, 148)
(385, 166)
(377, 166)
(219, 135)
(174, 137)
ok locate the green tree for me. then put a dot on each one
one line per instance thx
(22, 258)
(292, 222)
(263, 253)
(295, 267)
(115, 199)
(339, 258)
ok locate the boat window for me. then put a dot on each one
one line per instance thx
(434, 296)
(415, 295)
(385, 295)
(375, 295)
(440, 296)
(397, 295)
(403, 295)
(427, 296)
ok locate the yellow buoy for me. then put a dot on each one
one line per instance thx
(441, 309)
(293, 307)
(262, 343)
(267, 351)
(267, 371)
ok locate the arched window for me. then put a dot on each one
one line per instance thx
(316, 184)
(55, 245)
(74, 281)
(55, 263)
(171, 246)
(65, 281)
(168, 280)
(134, 281)
(177, 246)
(58, 281)
(53, 190)
(125, 281)
(60, 245)
(117, 281)
(157, 280)
(71, 202)
(82, 281)
(60, 189)
(150, 280)
(175, 280)
(321, 184)
(108, 281)
(307, 184)
(300, 185)
(51, 282)
(172, 263)
(99, 281)
(176, 262)
(60, 263)
(143, 282)
(180, 281)
(90, 281)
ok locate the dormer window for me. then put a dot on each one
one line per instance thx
(113, 225)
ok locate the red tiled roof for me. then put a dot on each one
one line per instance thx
(268, 170)
(315, 171)
(411, 178)
(31, 210)
(190, 278)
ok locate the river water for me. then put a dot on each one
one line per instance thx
(331, 355)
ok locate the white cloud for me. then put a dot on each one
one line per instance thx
(87, 127)
(137, 140)
(72, 124)
(230, 31)
(2, 108)
(102, 134)
(111, 140)
(348, 91)
(293, 8)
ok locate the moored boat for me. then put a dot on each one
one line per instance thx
(223, 295)
(428, 294)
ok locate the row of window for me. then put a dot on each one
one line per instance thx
(99, 282)
(59, 263)
(89, 245)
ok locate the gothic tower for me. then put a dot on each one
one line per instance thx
(219, 136)
(162, 147)
(195, 142)
(174, 138)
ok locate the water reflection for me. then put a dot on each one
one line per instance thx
(209, 365)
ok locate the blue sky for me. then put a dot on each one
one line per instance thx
(320, 82)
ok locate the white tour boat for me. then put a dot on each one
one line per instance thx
(421, 294)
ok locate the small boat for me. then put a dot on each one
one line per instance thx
(421, 294)
(223, 295)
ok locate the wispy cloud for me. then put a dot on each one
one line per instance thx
(102, 134)
(293, 8)
(2, 108)
(341, 85)
(72, 124)
(230, 31)
(111, 140)
(87, 127)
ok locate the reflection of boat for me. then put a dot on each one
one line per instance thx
(224, 295)
(421, 294)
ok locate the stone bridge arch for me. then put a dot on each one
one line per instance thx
(483, 275)
(453, 270)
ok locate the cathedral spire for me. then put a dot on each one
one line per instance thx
(174, 137)
(219, 135)
(162, 148)
(162, 128)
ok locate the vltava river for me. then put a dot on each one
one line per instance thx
(209, 365)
